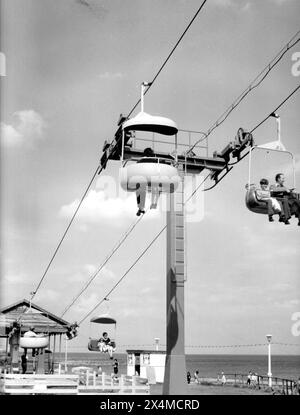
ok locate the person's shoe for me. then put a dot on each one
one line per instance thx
(299, 223)
(287, 222)
(282, 219)
(138, 213)
(271, 218)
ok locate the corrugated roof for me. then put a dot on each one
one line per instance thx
(31, 315)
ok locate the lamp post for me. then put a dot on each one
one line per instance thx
(66, 354)
(269, 338)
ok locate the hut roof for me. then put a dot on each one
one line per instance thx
(28, 315)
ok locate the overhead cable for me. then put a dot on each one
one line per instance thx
(170, 54)
(118, 245)
(64, 234)
(254, 84)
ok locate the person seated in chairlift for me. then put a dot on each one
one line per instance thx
(105, 344)
(263, 194)
(72, 331)
(288, 197)
(31, 332)
(142, 189)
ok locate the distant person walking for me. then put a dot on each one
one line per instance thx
(249, 379)
(196, 376)
(223, 379)
(24, 363)
(116, 366)
(188, 377)
(254, 380)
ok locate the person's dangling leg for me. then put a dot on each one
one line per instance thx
(110, 351)
(141, 198)
(294, 205)
(270, 210)
(285, 213)
(286, 209)
(154, 197)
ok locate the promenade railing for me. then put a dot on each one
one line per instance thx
(279, 385)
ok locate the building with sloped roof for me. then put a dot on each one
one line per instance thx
(18, 318)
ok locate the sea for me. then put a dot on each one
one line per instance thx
(209, 365)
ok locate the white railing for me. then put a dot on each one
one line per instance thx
(90, 382)
(38, 384)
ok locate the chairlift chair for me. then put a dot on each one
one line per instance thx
(252, 203)
(93, 344)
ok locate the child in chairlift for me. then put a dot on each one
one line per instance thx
(264, 194)
(105, 345)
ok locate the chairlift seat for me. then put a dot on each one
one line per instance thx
(150, 171)
(93, 345)
(34, 342)
(255, 205)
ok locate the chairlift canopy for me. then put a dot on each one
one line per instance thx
(152, 123)
(104, 319)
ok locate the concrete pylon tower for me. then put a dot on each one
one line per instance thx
(175, 370)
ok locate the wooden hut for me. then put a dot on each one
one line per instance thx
(17, 319)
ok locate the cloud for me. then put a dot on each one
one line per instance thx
(86, 304)
(95, 8)
(245, 5)
(110, 75)
(98, 207)
(15, 278)
(280, 2)
(88, 271)
(10, 137)
(27, 127)
(223, 3)
(287, 303)
(47, 294)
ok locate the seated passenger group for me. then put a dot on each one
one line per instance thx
(106, 345)
(280, 200)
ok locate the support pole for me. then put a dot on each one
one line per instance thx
(175, 369)
(40, 369)
(66, 356)
(269, 338)
(14, 343)
(54, 344)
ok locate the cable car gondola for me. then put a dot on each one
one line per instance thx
(251, 200)
(149, 173)
(104, 344)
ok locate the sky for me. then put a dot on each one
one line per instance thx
(72, 67)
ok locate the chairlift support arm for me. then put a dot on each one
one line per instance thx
(192, 164)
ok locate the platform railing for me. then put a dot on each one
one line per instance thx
(91, 382)
(37, 384)
(279, 385)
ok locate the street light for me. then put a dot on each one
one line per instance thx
(269, 338)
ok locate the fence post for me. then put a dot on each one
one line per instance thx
(94, 378)
(103, 378)
(134, 384)
(122, 383)
(87, 378)
(59, 368)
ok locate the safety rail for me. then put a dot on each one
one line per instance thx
(279, 385)
(183, 141)
(90, 382)
(18, 384)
